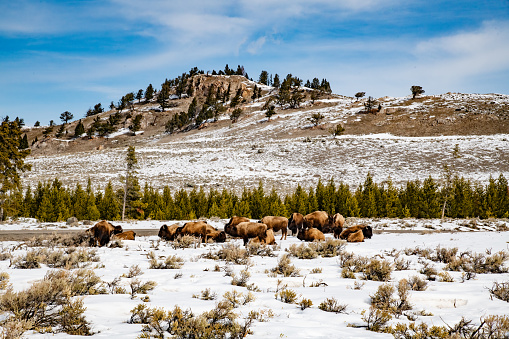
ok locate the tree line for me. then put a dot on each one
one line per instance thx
(456, 198)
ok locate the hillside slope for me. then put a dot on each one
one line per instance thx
(407, 139)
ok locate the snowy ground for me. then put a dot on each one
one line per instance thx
(446, 301)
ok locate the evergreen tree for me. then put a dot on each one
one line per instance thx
(79, 130)
(264, 78)
(242, 209)
(276, 83)
(430, 207)
(502, 198)
(12, 161)
(136, 123)
(163, 96)
(139, 95)
(131, 186)
(92, 210)
(66, 116)
(80, 203)
(28, 204)
(169, 206)
(416, 90)
(149, 93)
(23, 143)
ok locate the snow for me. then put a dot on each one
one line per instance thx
(447, 302)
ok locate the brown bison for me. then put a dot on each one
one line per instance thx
(317, 219)
(247, 230)
(127, 235)
(234, 221)
(336, 223)
(367, 231)
(276, 224)
(355, 237)
(296, 222)
(310, 234)
(102, 232)
(201, 229)
(168, 232)
(269, 240)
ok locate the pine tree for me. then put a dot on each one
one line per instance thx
(131, 185)
(149, 93)
(28, 204)
(242, 209)
(12, 160)
(79, 130)
(109, 207)
(80, 203)
(276, 83)
(264, 78)
(430, 207)
(502, 198)
(92, 210)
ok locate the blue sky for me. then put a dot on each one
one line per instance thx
(69, 55)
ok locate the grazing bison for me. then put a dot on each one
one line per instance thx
(336, 223)
(201, 229)
(296, 222)
(168, 232)
(355, 237)
(234, 221)
(247, 230)
(127, 235)
(319, 220)
(269, 240)
(276, 224)
(102, 232)
(367, 231)
(310, 234)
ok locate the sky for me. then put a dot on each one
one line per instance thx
(58, 56)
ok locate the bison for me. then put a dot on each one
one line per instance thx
(201, 229)
(355, 237)
(247, 230)
(234, 221)
(168, 232)
(336, 223)
(102, 232)
(317, 219)
(276, 224)
(367, 231)
(127, 235)
(310, 234)
(296, 222)
(269, 240)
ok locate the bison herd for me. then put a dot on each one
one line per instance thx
(310, 227)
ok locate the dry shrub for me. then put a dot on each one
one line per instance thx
(285, 268)
(347, 273)
(302, 251)
(4, 280)
(445, 277)
(65, 258)
(46, 305)
(206, 294)
(429, 271)
(261, 250)
(81, 282)
(492, 326)
(75, 239)
(230, 253)
(139, 287)
(14, 329)
(332, 305)
(500, 291)
(134, 271)
(415, 283)
(445, 255)
(220, 322)
(327, 248)
(236, 299)
(242, 279)
(377, 270)
(479, 263)
(305, 303)
(354, 263)
(171, 262)
(376, 319)
(186, 241)
(287, 296)
(316, 270)
(383, 299)
(401, 264)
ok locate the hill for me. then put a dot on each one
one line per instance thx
(401, 138)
